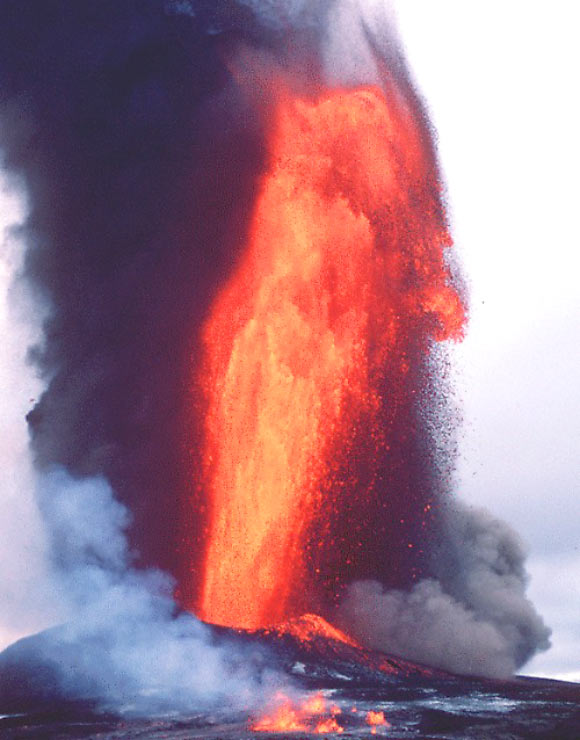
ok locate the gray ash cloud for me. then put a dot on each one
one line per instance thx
(471, 617)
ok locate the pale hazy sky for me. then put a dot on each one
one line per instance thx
(501, 83)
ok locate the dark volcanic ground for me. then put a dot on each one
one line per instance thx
(417, 701)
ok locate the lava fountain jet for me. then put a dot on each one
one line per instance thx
(314, 353)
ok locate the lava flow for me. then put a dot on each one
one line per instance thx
(311, 715)
(312, 354)
(315, 715)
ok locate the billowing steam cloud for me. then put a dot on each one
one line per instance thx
(473, 618)
(123, 644)
(24, 570)
(139, 155)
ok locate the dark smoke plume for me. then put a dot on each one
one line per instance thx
(140, 156)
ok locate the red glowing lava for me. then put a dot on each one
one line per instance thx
(342, 283)
(310, 627)
(314, 715)
(376, 719)
(311, 715)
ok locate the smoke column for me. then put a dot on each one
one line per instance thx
(143, 134)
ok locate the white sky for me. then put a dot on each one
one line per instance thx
(501, 83)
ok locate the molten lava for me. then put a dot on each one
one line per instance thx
(312, 345)
(311, 627)
(306, 716)
(376, 719)
(314, 715)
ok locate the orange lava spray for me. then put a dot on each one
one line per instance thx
(312, 715)
(344, 268)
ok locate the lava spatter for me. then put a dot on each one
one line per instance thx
(342, 285)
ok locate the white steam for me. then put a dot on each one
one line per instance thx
(26, 602)
(474, 619)
(124, 644)
(120, 640)
(286, 14)
(353, 26)
(348, 30)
